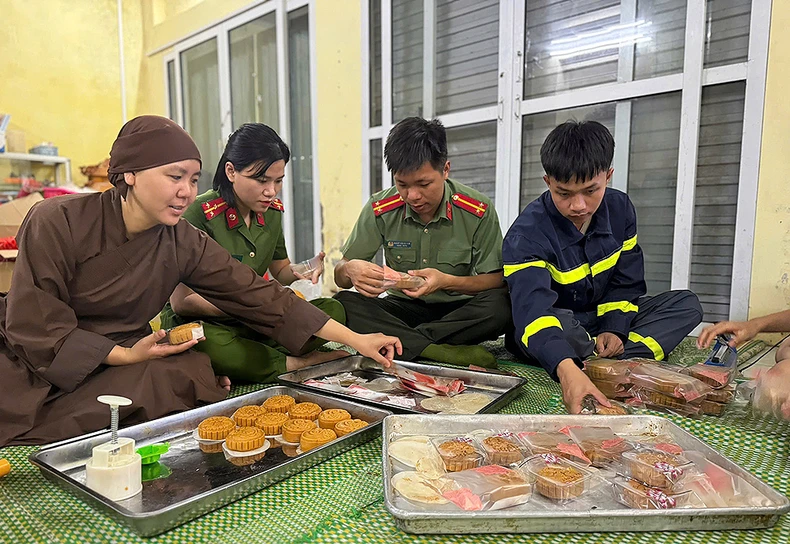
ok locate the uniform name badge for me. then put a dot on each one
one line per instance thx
(400, 244)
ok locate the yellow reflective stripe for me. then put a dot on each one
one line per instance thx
(623, 306)
(513, 268)
(578, 273)
(538, 325)
(607, 263)
(571, 276)
(650, 342)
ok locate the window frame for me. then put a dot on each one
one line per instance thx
(511, 107)
(220, 31)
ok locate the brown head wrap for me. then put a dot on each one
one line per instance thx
(146, 142)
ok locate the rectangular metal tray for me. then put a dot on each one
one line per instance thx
(199, 482)
(502, 387)
(604, 517)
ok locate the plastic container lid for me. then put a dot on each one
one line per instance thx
(151, 453)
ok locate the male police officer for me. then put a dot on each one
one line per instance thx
(575, 269)
(440, 230)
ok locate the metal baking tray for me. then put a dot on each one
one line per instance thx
(502, 387)
(199, 482)
(602, 516)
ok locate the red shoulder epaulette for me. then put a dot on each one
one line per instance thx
(387, 204)
(470, 204)
(213, 208)
(277, 204)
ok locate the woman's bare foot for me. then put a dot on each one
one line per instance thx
(313, 358)
(223, 382)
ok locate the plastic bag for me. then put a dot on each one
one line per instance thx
(669, 382)
(715, 376)
(425, 384)
(608, 369)
(306, 268)
(666, 403)
(590, 406)
(490, 487)
(717, 487)
(557, 443)
(601, 446)
(613, 389)
(772, 391)
(400, 280)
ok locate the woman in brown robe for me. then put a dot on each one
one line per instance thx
(93, 269)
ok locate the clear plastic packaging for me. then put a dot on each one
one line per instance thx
(556, 443)
(425, 384)
(558, 479)
(655, 468)
(458, 453)
(723, 395)
(635, 494)
(600, 445)
(490, 487)
(421, 489)
(590, 406)
(400, 280)
(715, 376)
(661, 401)
(613, 389)
(608, 369)
(717, 487)
(669, 382)
(710, 408)
(501, 448)
(306, 268)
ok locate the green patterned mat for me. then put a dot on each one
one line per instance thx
(341, 500)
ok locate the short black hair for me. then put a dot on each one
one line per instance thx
(251, 144)
(413, 142)
(577, 149)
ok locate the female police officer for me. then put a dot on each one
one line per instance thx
(242, 214)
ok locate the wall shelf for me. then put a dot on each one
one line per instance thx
(53, 160)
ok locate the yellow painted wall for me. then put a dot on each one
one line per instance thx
(339, 83)
(770, 288)
(60, 75)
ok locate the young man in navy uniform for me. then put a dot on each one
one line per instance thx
(576, 272)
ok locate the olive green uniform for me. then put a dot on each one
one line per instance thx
(235, 350)
(463, 239)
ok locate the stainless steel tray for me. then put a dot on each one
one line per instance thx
(502, 387)
(199, 482)
(604, 516)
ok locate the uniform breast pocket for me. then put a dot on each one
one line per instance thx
(454, 261)
(401, 256)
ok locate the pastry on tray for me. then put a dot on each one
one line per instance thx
(215, 428)
(279, 403)
(458, 454)
(293, 429)
(245, 439)
(329, 418)
(655, 468)
(502, 449)
(246, 415)
(271, 423)
(304, 410)
(316, 437)
(348, 426)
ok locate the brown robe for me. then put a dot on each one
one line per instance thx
(80, 287)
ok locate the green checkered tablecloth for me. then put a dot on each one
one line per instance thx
(341, 500)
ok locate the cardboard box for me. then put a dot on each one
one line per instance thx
(11, 216)
(13, 213)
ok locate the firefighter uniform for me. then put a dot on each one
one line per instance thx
(566, 287)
